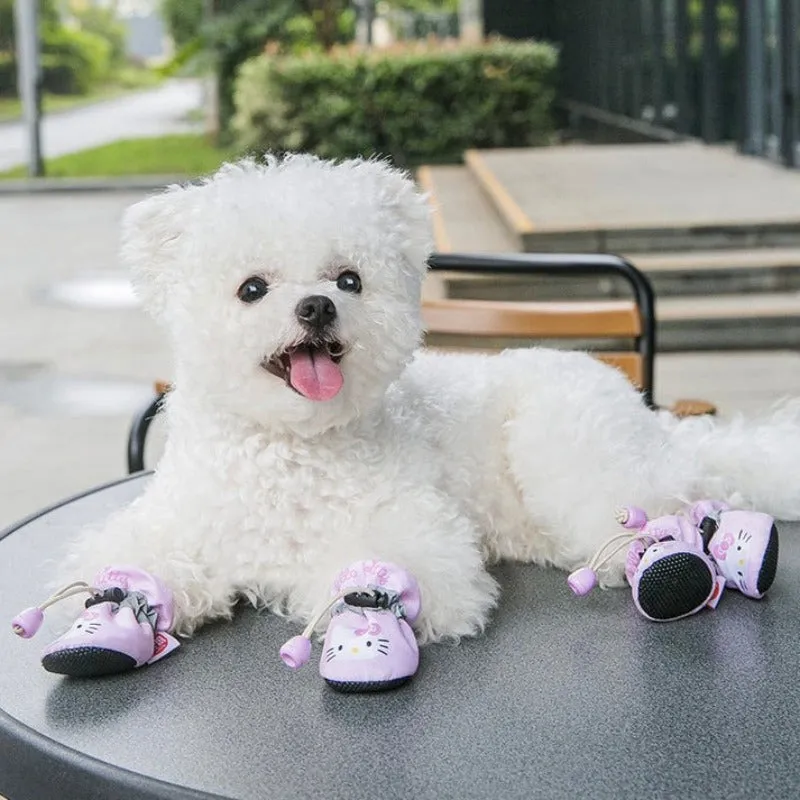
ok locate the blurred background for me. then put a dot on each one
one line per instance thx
(664, 130)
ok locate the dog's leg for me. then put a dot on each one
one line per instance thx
(163, 538)
(578, 448)
(424, 533)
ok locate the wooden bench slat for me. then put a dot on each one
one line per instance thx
(629, 363)
(570, 320)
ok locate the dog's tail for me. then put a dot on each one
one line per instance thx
(751, 462)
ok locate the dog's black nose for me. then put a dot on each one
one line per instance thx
(316, 311)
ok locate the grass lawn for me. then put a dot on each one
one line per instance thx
(190, 155)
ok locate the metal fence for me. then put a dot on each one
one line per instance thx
(719, 70)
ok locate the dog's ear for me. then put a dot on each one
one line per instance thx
(411, 228)
(152, 232)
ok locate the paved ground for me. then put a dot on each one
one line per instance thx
(589, 187)
(71, 378)
(148, 113)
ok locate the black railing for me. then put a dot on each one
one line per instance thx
(669, 64)
(715, 70)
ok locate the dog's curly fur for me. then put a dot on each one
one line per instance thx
(440, 463)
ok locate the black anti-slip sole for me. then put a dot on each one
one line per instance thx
(87, 662)
(351, 687)
(675, 586)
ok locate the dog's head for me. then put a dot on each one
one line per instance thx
(290, 288)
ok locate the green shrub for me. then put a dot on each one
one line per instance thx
(104, 23)
(8, 75)
(183, 18)
(60, 75)
(411, 103)
(85, 55)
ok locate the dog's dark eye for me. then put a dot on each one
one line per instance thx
(252, 289)
(349, 282)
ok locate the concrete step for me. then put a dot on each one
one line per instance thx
(701, 274)
(639, 198)
(735, 322)
(465, 220)
(709, 299)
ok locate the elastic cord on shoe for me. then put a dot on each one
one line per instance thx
(600, 558)
(309, 629)
(27, 623)
(79, 587)
(584, 579)
(296, 652)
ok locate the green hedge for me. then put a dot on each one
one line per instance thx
(412, 103)
(76, 59)
(60, 75)
(72, 61)
(8, 75)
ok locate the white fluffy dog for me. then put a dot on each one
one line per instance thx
(305, 431)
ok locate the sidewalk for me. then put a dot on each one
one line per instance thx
(70, 378)
(153, 112)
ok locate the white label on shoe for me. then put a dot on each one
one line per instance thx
(165, 644)
(719, 587)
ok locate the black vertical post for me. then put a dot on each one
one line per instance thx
(789, 80)
(711, 101)
(601, 41)
(683, 96)
(773, 51)
(616, 46)
(636, 58)
(593, 46)
(657, 63)
(753, 77)
(741, 75)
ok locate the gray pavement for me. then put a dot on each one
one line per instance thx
(650, 186)
(154, 112)
(70, 378)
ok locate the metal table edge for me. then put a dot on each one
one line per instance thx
(45, 749)
(14, 527)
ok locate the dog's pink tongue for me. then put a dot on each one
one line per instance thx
(314, 374)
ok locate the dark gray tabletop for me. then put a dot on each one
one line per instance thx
(561, 698)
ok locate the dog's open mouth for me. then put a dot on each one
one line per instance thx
(311, 369)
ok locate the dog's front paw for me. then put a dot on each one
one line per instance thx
(461, 610)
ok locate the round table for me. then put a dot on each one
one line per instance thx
(560, 698)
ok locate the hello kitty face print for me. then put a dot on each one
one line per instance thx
(744, 548)
(359, 644)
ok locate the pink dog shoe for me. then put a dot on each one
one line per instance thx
(744, 546)
(670, 575)
(105, 639)
(123, 627)
(674, 580)
(666, 567)
(369, 645)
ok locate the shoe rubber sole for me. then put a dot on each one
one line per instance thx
(675, 586)
(87, 662)
(770, 565)
(351, 687)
